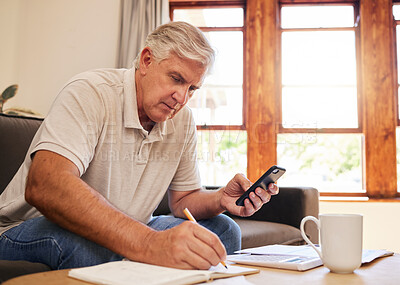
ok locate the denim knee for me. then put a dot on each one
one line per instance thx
(227, 230)
(39, 240)
(223, 226)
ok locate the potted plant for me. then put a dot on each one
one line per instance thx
(7, 94)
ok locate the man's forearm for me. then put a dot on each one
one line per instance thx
(203, 204)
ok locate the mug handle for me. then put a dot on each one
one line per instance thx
(303, 233)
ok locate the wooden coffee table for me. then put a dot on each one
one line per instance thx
(384, 270)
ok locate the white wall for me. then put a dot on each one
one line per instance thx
(9, 26)
(381, 221)
(46, 42)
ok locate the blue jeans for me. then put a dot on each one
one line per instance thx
(40, 240)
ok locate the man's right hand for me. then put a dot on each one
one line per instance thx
(187, 246)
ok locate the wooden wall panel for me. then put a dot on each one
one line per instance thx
(377, 89)
(260, 81)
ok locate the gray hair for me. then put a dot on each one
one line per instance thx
(183, 39)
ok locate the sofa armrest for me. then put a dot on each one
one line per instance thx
(16, 134)
(290, 206)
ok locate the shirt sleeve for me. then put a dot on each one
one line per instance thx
(73, 124)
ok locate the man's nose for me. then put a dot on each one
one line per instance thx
(181, 95)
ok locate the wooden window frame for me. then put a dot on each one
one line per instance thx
(378, 88)
(204, 4)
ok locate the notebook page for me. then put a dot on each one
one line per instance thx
(127, 272)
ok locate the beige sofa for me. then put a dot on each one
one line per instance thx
(276, 223)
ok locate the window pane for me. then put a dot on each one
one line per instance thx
(324, 57)
(232, 17)
(319, 107)
(319, 80)
(396, 12)
(221, 154)
(328, 162)
(220, 100)
(317, 16)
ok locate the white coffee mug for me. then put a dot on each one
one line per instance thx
(340, 239)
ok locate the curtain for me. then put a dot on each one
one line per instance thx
(138, 19)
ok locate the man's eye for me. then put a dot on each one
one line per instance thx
(176, 79)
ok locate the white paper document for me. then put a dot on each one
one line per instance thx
(130, 272)
(282, 257)
(277, 249)
(371, 254)
(307, 251)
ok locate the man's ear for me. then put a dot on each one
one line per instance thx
(146, 58)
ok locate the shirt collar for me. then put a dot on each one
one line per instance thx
(131, 116)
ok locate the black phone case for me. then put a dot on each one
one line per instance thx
(271, 176)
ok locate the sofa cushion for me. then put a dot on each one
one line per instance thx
(11, 269)
(259, 233)
(163, 207)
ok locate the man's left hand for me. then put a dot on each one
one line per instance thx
(236, 187)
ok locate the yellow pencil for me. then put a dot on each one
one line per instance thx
(191, 218)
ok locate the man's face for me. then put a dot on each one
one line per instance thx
(165, 87)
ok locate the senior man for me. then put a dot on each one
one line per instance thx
(114, 141)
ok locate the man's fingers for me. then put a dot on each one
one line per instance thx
(203, 255)
(186, 246)
(212, 242)
(263, 195)
(198, 261)
(199, 247)
(249, 208)
(273, 188)
(243, 181)
(257, 200)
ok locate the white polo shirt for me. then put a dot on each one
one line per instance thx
(94, 123)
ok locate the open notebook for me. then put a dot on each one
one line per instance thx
(130, 272)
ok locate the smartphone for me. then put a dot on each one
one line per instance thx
(271, 176)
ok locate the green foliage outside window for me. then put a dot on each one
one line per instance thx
(330, 159)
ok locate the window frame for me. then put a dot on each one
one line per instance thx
(202, 4)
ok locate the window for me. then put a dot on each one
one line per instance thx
(320, 132)
(218, 106)
(315, 101)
